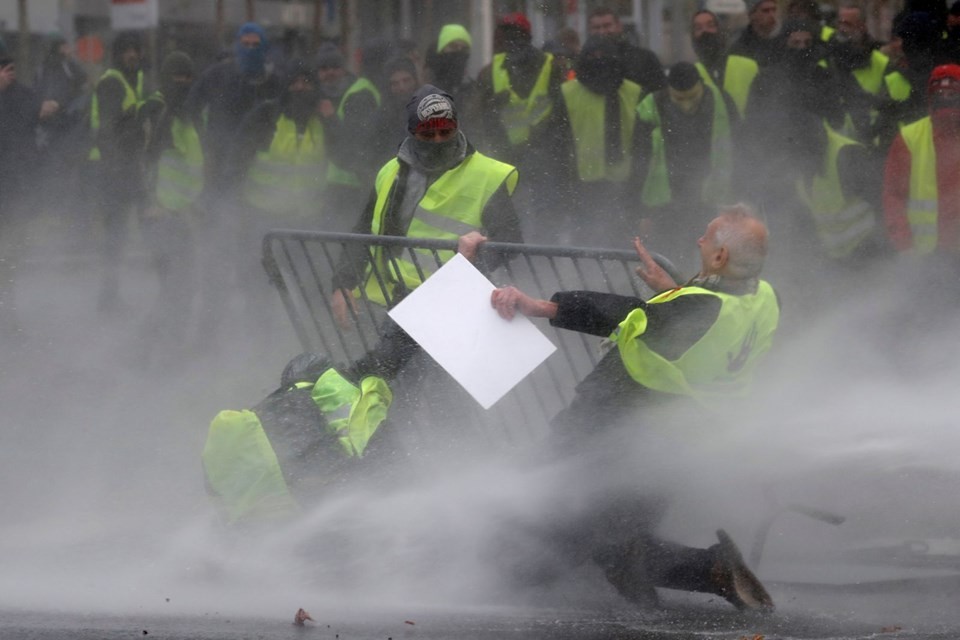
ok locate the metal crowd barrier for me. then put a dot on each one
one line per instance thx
(301, 266)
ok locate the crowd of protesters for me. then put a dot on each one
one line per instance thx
(846, 143)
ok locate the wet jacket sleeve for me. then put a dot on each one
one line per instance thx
(672, 327)
(896, 191)
(353, 261)
(500, 224)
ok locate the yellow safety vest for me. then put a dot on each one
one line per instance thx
(288, 178)
(336, 175)
(923, 206)
(241, 465)
(452, 206)
(587, 120)
(841, 224)
(180, 168)
(132, 99)
(520, 114)
(721, 364)
(717, 186)
(738, 75)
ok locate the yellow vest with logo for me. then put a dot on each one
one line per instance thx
(452, 206)
(587, 120)
(738, 75)
(336, 175)
(520, 114)
(288, 178)
(923, 205)
(841, 224)
(717, 185)
(132, 99)
(721, 363)
(242, 468)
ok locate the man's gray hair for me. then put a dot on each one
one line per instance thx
(745, 237)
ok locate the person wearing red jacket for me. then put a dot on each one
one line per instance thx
(921, 193)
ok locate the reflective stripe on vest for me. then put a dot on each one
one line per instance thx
(180, 168)
(738, 75)
(721, 363)
(923, 205)
(841, 224)
(587, 112)
(336, 175)
(288, 178)
(353, 413)
(716, 186)
(132, 98)
(452, 206)
(242, 468)
(520, 114)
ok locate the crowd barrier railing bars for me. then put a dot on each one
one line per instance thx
(301, 265)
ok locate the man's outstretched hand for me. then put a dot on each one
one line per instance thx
(650, 272)
(508, 301)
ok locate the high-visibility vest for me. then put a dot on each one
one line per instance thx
(180, 166)
(924, 200)
(132, 99)
(521, 114)
(336, 175)
(452, 206)
(738, 75)
(587, 111)
(841, 223)
(241, 465)
(717, 185)
(871, 77)
(898, 87)
(721, 363)
(288, 177)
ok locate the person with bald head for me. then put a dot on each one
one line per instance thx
(701, 342)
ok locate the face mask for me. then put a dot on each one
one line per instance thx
(687, 101)
(849, 56)
(175, 93)
(449, 68)
(601, 75)
(251, 61)
(709, 45)
(300, 104)
(437, 156)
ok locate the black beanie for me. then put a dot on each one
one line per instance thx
(177, 63)
(683, 76)
(430, 104)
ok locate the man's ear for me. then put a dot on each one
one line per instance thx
(720, 259)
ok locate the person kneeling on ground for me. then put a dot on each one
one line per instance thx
(700, 341)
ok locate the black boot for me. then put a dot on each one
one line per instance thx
(732, 579)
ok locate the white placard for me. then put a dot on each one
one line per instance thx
(134, 14)
(450, 316)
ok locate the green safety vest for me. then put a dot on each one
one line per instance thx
(241, 465)
(336, 175)
(721, 363)
(841, 224)
(738, 75)
(587, 120)
(898, 87)
(871, 78)
(452, 206)
(180, 167)
(132, 99)
(717, 186)
(288, 177)
(923, 204)
(520, 114)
